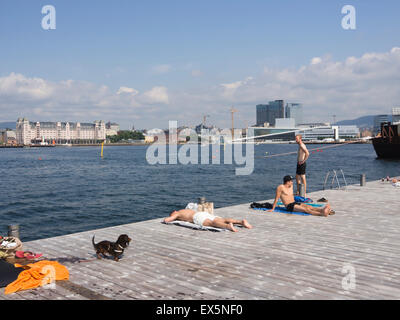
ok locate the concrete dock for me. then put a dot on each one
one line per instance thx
(282, 257)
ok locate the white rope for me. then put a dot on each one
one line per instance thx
(278, 133)
(316, 149)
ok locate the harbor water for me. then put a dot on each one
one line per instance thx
(57, 191)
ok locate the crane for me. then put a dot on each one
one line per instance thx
(204, 119)
(232, 113)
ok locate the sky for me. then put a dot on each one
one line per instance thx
(144, 63)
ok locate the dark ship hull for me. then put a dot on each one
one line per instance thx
(387, 145)
(386, 150)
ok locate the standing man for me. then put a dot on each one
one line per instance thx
(302, 157)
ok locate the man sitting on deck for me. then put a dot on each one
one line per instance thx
(206, 219)
(285, 193)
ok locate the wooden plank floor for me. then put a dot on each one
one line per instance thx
(283, 257)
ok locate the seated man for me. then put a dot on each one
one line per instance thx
(206, 219)
(285, 193)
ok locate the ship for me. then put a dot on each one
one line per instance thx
(387, 142)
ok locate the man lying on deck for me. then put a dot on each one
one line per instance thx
(206, 219)
(285, 193)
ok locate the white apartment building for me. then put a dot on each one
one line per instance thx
(349, 131)
(396, 114)
(59, 132)
(112, 128)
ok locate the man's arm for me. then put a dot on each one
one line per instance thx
(306, 153)
(277, 196)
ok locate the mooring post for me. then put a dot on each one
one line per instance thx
(13, 231)
(363, 180)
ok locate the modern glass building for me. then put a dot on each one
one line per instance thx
(261, 115)
(378, 120)
(269, 112)
(294, 111)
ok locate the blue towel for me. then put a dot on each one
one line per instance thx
(283, 210)
(316, 205)
(302, 199)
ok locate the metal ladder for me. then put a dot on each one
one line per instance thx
(335, 178)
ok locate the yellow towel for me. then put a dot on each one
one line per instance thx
(37, 274)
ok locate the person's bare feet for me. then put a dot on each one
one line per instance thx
(231, 227)
(246, 224)
(326, 211)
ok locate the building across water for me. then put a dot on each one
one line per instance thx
(267, 113)
(285, 130)
(28, 132)
(7, 136)
(396, 115)
(112, 128)
(294, 111)
(322, 133)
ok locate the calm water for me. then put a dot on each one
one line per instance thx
(72, 189)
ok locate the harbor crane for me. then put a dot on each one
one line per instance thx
(232, 113)
(204, 119)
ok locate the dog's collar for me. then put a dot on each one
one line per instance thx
(121, 247)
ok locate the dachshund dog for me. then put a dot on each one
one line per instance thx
(116, 249)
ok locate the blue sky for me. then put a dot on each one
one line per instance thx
(189, 48)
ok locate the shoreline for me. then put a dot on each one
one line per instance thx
(149, 144)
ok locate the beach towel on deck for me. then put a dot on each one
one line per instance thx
(268, 206)
(194, 226)
(316, 205)
(283, 210)
(38, 274)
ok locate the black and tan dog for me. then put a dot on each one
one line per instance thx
(115, 249)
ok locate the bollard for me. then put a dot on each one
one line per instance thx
(302, 190)
(13, 231)
(363, 180)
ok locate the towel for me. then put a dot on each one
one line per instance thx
(194, 226)
(283, 210)
(302, 199)
(317, 205)
(37, 274)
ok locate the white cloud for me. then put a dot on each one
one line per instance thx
(236, 85)
(156, 95)
(352, 87)
(77, 100)
(127, 90)
(316, 60)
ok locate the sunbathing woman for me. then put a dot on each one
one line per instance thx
(206, 219)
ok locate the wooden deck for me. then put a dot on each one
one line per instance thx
(283, 257)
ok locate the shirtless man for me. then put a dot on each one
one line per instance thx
(285, 193)
(206, 219)
(302, 157)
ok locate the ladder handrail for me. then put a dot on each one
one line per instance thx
(335, 177)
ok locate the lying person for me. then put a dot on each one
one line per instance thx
(206, 219)
(285, 193)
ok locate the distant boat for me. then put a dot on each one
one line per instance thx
(387, 143)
